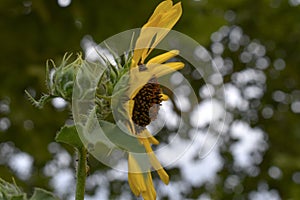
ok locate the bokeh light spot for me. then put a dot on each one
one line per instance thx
(296, 107)
(64, 3)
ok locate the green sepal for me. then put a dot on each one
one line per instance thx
(41, 102)
(69, 135)
(41, 194)
(121, 139)
(11, 191)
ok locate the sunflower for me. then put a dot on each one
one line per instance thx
(145, 94)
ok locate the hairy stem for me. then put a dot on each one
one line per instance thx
(81, 173)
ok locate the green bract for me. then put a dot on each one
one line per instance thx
(60, 80)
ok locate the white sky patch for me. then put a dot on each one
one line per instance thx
(233, 97)
(202, 54)
(206, 113)
(216, 79)
(249, 75)
(21, 163)
(100, 193)
(174, 190)
(115, 174)
(256, 49)
(63, 182)
(249, 141)
(94, 52)
(207, 91)
(182, 100)
(253, 92)
(264, 193)
(172, 152)
(176, 78)
(208, 160)
(294, 2)
(101, 181)
(166, 112)
(183, 103)
(183, 90)
(155, 126)
(62, 159)
(188, 156)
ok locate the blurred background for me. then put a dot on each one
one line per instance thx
(255, 46)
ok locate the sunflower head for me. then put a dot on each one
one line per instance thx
(144, 94)
(146, 104)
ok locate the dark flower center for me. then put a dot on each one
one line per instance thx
(146, 104)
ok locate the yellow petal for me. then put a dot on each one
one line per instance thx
(155, 163)
(135, 177)
(133, 184)
(137, 80)
(163, 69)
(164, 18)
(163, 57)
(165, 22)
(164, 97)
(163, 176)
(148, 39)
(150, 193)
(146, 134)
(141, 44)
(162, 7)
(130, 108)
(170, 18)
(133, 63)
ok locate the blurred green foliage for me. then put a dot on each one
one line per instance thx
(34, 31)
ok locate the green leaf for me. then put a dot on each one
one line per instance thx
(41, 194)
(69, 135)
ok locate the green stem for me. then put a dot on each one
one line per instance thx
(81, 173)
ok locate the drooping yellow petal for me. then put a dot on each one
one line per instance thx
(155, 163)
(146, 134)
(135, 179)
(150, 193)
(140, 183)
(163, 57)
(163, 176)
(133, 184)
